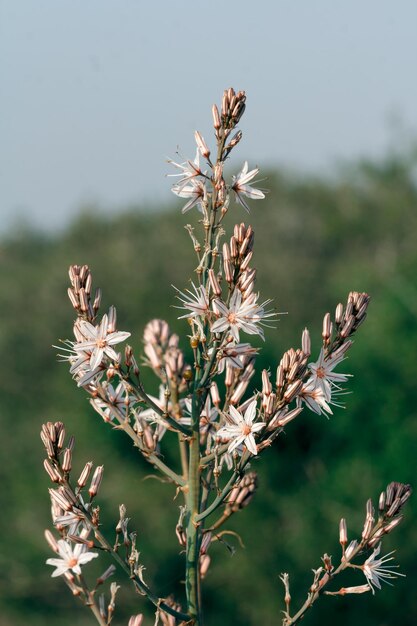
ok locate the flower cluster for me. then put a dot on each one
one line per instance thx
(212, 402)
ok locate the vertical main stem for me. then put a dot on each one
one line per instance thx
(193, 506)
(195, 527)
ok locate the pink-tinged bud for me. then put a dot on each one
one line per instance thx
(60, 499)
(73, 298)
(282, 418)
(327, 327)
(241, 230)
(205, 543)
(201, 145)
(97, 300)
(381, 503)
(345, 590)
(369, 520)
(51, 471)
(215, 395)
(270, 403)
(239, 392)
(229, 377)
(393, 524)
(88, 283)
(347, 327)
(342, 349)
(293, 391)
(216, 117)
(343, 533)
(82, 481)
(234, 249)
(306, 342)
(60, 434)
(285, 361)
(136, 620)
(226, 252)
(112, 320)
(96, 481)
(84, 302)
(247, 279)
(266, 383)
(235, 140)
(214, 283)
(225, 104)
(228, 271)
(204, 565)
(67, 461)
(242, 493)
(52, 542)
(338, 317)
(350, 550)
(245, 263)
(280, 377)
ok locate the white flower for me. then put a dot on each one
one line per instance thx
(241, 188)
(246, 315)
(71, 558)
(117, 398)
(208, 415)
(233, 355)
(149, 415)
(323, 375)
(241, 428)
(98, 341)
(195, 190)
(80, 363)
(376, 569)
(188, 170)
(315, 398)
(197, 303)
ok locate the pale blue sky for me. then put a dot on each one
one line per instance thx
(95, 94)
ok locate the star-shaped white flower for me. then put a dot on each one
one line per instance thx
(117, 398)
(241, 314)
(241, 188)
(315, 398)
(323, 375)
(376, 570)
(241, 428)
(71, 558)
(194, 190)
(99, 341)
(234, 355)
(196, 302)
(188, 170)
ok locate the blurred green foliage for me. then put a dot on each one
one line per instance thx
(316, 239)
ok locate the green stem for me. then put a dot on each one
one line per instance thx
(138, 390)
(193, 506)
(151, 457)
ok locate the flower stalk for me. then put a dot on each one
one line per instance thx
(220, 410)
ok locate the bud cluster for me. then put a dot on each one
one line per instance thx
(80, 292)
